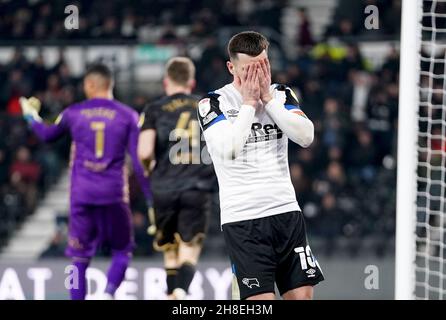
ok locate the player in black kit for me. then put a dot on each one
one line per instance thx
(181, 178)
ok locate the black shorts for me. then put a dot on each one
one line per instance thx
(180, 216)
(271, 250)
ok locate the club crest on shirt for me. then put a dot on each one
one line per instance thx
(204, 106)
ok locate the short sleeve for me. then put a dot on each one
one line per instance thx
(148, 118)
(209, 111)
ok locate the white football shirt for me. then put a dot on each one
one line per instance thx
(256, 183)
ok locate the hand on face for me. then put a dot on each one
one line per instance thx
(265, 81)
(250, 88)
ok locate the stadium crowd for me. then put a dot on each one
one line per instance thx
(27, 167)
(345, 182)
(45, 19)
(347, 22)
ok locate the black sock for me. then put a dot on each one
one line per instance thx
(185, 275)
(171, 277)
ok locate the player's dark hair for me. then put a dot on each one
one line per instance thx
(180, 70)
(101, 70)
(248, 42)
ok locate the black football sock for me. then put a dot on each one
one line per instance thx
(185, 275)
(171, 277)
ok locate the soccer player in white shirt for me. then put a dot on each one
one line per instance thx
(246, 125)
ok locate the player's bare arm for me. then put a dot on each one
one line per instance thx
(146, 144)
(146, 148)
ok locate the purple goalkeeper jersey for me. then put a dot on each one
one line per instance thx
(102, 132)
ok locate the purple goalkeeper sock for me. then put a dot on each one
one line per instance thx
(78, 292)
(116, 273)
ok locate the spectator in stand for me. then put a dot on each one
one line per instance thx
(333, 124)
(305, 38)
(4, 166)
(25, 174)
(362, 159)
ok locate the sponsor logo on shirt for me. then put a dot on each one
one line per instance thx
(264, 132)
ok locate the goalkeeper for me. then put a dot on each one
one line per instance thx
(102, 131)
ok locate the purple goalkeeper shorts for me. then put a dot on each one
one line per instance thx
(91, 226)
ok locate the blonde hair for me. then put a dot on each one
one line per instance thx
(180, 70)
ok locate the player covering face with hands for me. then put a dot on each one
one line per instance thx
(246, 125)
(255, 82)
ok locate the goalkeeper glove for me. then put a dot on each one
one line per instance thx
(30, 108)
